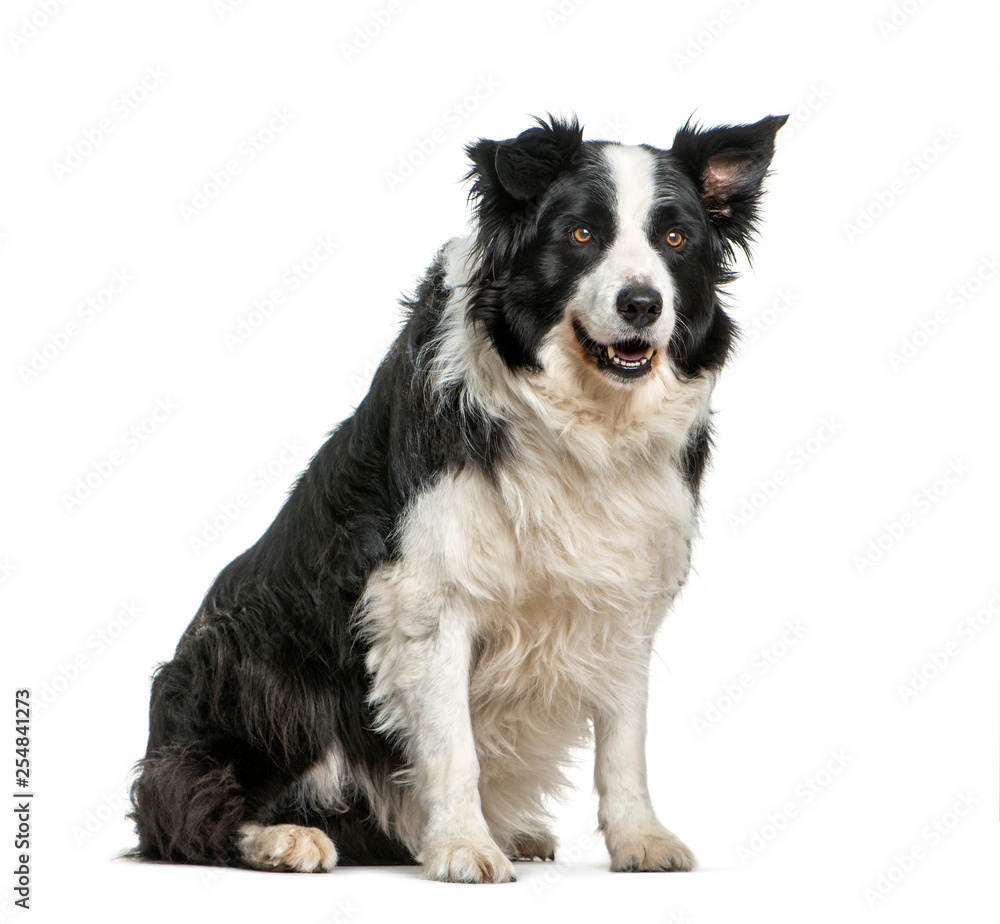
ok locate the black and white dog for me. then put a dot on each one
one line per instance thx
(465, 583)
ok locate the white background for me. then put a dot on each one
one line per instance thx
(881, 213)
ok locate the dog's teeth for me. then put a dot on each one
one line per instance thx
(611, 352)
(650, 352)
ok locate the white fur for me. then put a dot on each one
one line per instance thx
(521, 610)
(630, 259)
(634, 836)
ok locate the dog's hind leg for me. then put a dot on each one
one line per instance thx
(187, 808)
(203, 793)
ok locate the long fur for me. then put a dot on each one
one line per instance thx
(467, 578)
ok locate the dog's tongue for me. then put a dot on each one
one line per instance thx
(631, 352)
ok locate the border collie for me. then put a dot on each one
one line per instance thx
(465, 583)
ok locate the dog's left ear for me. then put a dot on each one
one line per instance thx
(728, 165)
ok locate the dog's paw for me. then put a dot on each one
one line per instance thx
(534, 846)
(656, 851)
(287, 848)
(466, 862)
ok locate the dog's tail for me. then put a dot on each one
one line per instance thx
(187, 808)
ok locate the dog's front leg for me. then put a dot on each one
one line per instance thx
(635, 838)
(422, 683)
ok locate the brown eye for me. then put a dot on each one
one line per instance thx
(582, 235)
(675, 238)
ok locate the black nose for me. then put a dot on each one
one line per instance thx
(639, 305)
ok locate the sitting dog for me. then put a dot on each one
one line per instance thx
(465, 583)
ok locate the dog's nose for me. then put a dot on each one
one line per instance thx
(639, 305)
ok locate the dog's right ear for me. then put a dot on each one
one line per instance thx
(523, 167)
(509, 177)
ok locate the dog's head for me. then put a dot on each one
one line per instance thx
(615, 252)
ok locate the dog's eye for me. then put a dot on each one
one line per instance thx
(675, 238)
(582, 235)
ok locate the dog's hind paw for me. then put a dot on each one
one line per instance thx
(287, 848)
(534, 846)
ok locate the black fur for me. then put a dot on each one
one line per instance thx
(271, 672)
(694, 459)
(527, 273)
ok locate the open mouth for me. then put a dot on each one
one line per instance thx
(625, 360)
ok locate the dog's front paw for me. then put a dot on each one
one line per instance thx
(651, 851)
(459, 861)
(534, 846)
(287, 848)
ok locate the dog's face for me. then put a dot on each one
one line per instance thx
(613, 253)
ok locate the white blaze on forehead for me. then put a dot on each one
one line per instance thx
(633, 174)
(631, 256)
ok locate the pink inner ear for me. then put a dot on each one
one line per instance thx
(720, 179)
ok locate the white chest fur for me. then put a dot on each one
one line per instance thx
(566, 564)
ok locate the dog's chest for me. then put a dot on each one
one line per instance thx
(584, 563)
(564, 568)
(606, 540)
